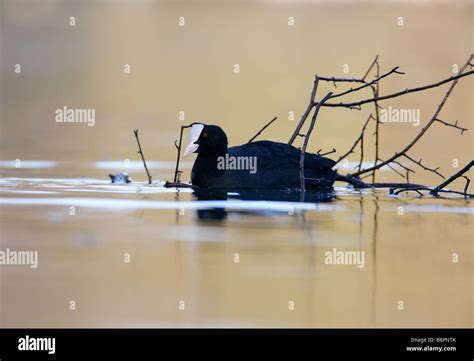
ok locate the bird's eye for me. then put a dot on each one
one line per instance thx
(204, 135)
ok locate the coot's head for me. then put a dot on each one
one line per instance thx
(206, 140)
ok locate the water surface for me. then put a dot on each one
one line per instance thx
(281, 277)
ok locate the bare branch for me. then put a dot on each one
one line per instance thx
(358, 183)
(340, 80)
(135, 131)
(351, 149)
(398, 190)
(408, 170)
(307, 111)
(375, 92)
(178, 185)
(261, 130)
(178, 147)
(455, 125)
(370, 67)
(361, 153)
(403, 92)
(396, 171)
(375, 81)
(403, 166)
(440, 188)
(421, 133)
(306, 140)
(435, 170)
(324, 154)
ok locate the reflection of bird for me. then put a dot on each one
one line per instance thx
(257, 165)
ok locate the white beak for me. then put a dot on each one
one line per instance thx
(194, 135)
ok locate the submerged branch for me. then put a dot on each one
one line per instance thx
(358, 183)
(453, 178)
(178, 185)
(440, 188)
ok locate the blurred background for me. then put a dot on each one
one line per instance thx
(190, 69)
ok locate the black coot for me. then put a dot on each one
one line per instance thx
(257, 165)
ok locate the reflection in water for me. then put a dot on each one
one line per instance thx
(374, 260)
(211, 214)
(290, 196)
(324, 195)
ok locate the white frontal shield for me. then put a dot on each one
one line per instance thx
(194, 135)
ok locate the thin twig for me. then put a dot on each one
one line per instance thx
(435, 170)
(455, 125)
(306, 113)
(376, 92)
(361, 152)
(340, 80)
(351, 149)
(370, 67)
(403, 166)
(326, 153)
(135, 131)
(375, 81)
(396, 171)
(178, 147)
(261, 130)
